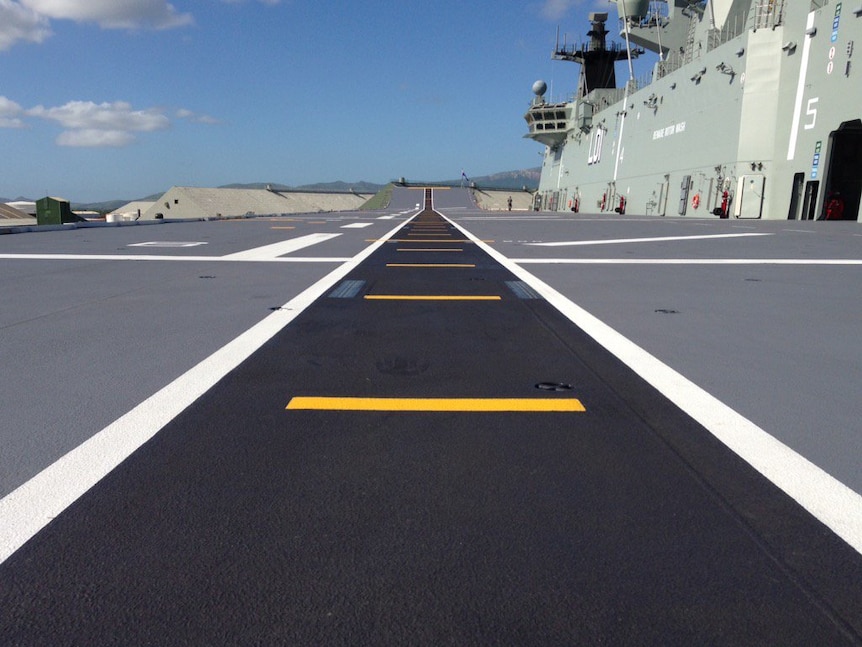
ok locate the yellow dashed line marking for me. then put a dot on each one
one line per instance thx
(426, 249)
(431, 297)
(430, 265)
(282, 227)
(571, 405)
(420, 240)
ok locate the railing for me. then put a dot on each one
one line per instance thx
(728, 32)
(768, 14)
(672, 63)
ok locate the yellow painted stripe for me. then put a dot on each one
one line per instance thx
(418, 240)
(430, 265)
(436, 404)
(426, 249)
(430, 240)
(430, 297)
(282, 227)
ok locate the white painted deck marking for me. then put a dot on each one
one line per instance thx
(828, 499)
(687, 261)
(279, 249)
(166, 243)
(357, 225)
(30, 507)
(660, 239)
(150, 257)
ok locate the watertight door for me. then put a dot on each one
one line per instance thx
(749, 196)
(683, 194)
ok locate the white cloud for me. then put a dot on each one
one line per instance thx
(97, 125)
(103, 116)
(113, 14)
(91, 138)
(17, 23)
(9, 114)
(101, 125)
(196, 118)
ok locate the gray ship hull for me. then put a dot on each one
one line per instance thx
(755, 115)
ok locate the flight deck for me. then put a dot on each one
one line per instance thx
(432, 425)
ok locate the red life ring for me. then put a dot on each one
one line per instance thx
(695, 201)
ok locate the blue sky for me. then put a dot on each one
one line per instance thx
(104, 99)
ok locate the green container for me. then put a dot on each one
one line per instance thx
(53, 211)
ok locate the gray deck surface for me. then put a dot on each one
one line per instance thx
(629, 525)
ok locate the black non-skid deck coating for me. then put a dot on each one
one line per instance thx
(243, 523)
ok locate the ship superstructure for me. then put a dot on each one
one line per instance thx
(753, 110)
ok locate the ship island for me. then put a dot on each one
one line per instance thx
(751, 111)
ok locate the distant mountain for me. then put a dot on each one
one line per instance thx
(323, 187)
(257, 185)
(356, 187)
(102, 207)
(514, 180)
(509, 180)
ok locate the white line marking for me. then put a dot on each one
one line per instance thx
(166, 243)
(519, 261)
(833, 503)
(357, 225)
(686, 261)
(550, 218)
(660, 239)
(30, 507)
(150, 257)
(281, 248)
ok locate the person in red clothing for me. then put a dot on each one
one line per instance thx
(835, 207)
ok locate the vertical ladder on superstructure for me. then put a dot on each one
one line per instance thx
(693, 21)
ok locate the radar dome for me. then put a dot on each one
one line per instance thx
(539, 88)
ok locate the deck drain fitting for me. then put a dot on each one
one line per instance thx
(554, 386)
(667, 311)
